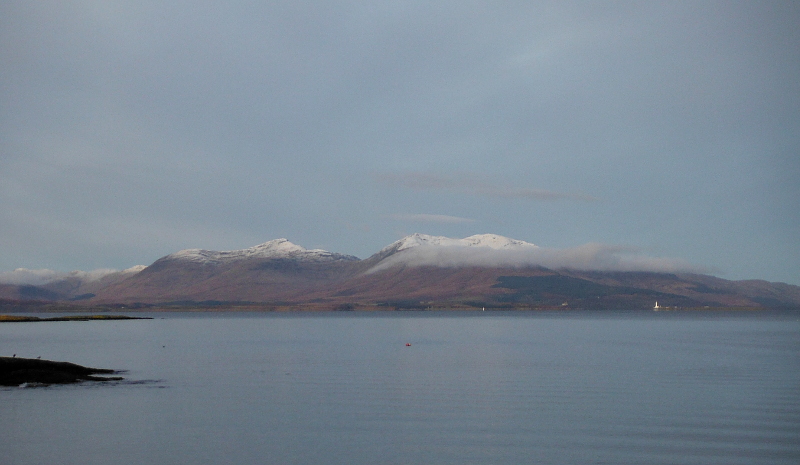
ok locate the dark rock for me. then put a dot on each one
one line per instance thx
(15, 371)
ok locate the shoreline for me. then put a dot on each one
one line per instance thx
(32, 319)
(99, 314)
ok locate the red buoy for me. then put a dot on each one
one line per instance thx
(408, 344)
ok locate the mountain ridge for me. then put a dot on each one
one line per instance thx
(416, 271)
(276, 248)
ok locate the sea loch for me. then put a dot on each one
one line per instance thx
(471, 388)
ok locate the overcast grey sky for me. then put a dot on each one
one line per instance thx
(132, 129)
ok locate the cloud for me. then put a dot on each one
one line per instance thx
(472, 186)
(24, 276)
(428, 218)
(131, 130)
(592, 256)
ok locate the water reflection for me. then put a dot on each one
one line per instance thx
(486, 388)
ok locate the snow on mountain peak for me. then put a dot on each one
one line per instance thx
(491, 241)
(276, 248)
(416, 240)
(477, 250)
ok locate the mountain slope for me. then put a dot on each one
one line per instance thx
(76, 285)
(275, 271)
(416, 271)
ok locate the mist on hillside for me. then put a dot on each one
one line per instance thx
(591, 256)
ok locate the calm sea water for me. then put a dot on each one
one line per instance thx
(473, 388)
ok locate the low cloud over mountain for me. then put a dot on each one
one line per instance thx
(442, 252)
(416, 271)
(24, 276)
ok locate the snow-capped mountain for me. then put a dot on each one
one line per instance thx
(274, 249)
(477, 250)
(416, 271)
(491, 241)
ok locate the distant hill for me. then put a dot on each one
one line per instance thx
(417, 271)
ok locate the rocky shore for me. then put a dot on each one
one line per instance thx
(29, 319)
(16, 371)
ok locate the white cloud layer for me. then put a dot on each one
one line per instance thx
(592, 256)
(24, 276)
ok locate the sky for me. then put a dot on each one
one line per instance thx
(133, 129)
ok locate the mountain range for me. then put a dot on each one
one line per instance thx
(418, 271)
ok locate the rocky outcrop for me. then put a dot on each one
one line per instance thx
(17, 371)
